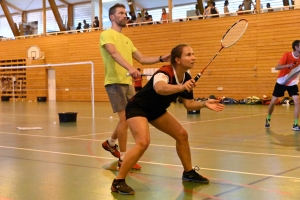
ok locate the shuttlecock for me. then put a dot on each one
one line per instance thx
(110, 117)
(54, 123)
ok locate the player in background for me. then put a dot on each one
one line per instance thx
(288, 79)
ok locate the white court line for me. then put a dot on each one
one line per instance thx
(211, 120)
(75, 136)
(182, 122)
(152, 163)
(158, 145)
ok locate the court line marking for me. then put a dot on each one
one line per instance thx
(152, 163)
(75, 136)
(159, 145)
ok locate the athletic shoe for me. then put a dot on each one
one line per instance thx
(267, 125)
(113, 150)
(135, 166)
(296, 127)
(121, 187)
(193, 176)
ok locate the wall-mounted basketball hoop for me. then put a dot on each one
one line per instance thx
(34, 53)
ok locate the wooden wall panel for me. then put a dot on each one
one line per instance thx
(242, 70)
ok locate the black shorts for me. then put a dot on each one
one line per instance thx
(280, 89)
(134, 110)
(137, 88)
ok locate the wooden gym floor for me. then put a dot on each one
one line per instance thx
(65, 161)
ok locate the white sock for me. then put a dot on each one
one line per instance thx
(112, 141)
(122, 155)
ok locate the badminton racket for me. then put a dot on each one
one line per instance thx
(232, 35)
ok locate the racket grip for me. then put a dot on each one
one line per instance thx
(197, 77)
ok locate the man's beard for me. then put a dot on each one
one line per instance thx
(122, 23)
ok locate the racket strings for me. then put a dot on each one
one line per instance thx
(234, 33)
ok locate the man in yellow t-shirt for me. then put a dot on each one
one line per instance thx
(118, 53)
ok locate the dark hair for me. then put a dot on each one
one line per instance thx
(176, 53)
(226, 3)
(295, 44)
(213, 3)
(113, 9)
(138, 69)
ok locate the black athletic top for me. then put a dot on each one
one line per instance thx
(154, 104)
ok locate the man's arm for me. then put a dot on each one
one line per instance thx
(149, 60)
(280, 67)
(111, 49)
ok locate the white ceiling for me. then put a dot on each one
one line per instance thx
(27, 5)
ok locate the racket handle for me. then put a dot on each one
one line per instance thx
(197, 77)
(140, 74)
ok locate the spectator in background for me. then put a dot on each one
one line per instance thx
(85, 25)
(132, 17)
(164, 16)
(138, 82)
(247, 5)
(269, 7)
(96, 23)
(79, 26)
(213, 10)
(206, 11)
(148, 18)
(139, 18)
(226, 10)
(240, 10)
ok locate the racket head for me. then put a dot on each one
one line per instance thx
(234, 33)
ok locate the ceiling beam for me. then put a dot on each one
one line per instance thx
(138, 6)
(70, 16)
(131, 5)
(57, 15)
(9, 18)
(170, 6)
(14, 7)
(200, 6)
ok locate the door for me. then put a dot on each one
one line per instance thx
(51, 85)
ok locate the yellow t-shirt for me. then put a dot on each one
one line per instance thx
(115, 73)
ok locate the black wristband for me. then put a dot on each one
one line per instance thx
(161, 60)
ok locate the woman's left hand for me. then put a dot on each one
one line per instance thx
(214, 104)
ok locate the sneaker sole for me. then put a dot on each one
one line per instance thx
(109, 151)
(123, 193)
(194, 181)
(133, 168)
